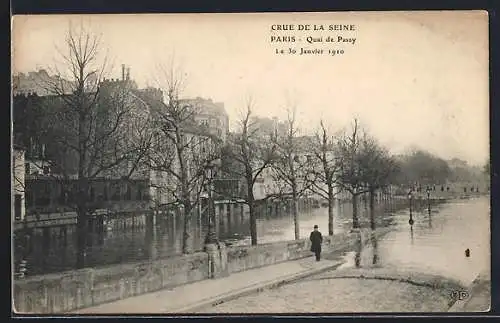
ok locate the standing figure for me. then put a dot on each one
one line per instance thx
(316, 240)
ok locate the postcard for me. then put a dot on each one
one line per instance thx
(328, 162)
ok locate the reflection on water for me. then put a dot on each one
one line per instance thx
(54, 249)
(435, 243)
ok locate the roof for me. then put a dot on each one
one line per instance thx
(207, 106)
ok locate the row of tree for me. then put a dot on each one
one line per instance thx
(323, 165)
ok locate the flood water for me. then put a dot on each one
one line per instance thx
(48, 250)
(437, 241)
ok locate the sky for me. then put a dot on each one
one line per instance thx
(413, 79)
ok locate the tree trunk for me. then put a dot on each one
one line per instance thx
(295, 212)
(355, 221)
(359, 246)
(253, 223)
(375, 248)
(150, 222)
(372, 209)
(253, 216)
(81, 233)
(186, 234)
(149, 241)
(330, 210)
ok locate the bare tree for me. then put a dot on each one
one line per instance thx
(91, 129)
(290, 167)
(325, 169)
(17, 180)
(351, 174)
(252, 152)
(378, 167)
(365, 167)
(181, 150)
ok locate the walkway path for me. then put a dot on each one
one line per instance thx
(188, 298)
(349, 291)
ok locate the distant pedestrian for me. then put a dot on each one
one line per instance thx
(316, 241)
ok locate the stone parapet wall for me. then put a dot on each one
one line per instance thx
(67, 291)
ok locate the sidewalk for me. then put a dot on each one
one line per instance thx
(188, 298)
(349, 290)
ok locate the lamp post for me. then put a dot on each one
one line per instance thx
(210, 173)
(411, 215)
(428, 198)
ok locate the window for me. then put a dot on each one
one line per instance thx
(27, 168)
(105, 193)
(139, 193)
(92, 194)
(116, 193)
(128, 193)
(17, 206)
(158, 196)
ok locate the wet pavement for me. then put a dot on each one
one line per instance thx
(339, 295)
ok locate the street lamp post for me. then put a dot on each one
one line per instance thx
(411, 215)
(428, 198)
(210, 172)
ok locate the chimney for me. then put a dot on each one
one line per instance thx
(123, 72)
(128, 73)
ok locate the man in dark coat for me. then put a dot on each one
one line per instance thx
(316, 240)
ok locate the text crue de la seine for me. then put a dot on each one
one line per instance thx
(313, 39)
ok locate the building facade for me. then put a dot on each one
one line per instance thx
(51, 166)
(52, 171)
(210, 115)
(39, 82)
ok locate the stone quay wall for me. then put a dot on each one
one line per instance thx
(68, 291)
(241, 258)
